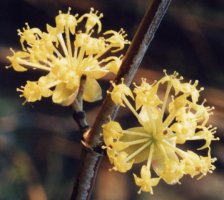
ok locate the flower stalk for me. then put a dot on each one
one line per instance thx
(79, 115)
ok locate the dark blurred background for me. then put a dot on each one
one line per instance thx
(39, 142)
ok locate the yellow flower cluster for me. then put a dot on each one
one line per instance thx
(157, 141)
(67, 52)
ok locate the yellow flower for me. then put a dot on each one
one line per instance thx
(112, 131)
(146, 182)
(31, 91)
(119, 92)
(146, 94)
(157, 141)
(65, 53)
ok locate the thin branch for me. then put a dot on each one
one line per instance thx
(92, 153)
(79, 114)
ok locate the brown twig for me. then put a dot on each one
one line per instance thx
(79, 114)
(92, 153)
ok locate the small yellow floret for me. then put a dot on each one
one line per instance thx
(31, 91)
(119, 92)
(120, 162)
(146, 182)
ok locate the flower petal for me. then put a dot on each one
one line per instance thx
(132, 148)
(62, 95)
(92, 90)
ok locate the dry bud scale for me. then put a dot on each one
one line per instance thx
(157, 142)
(65, 53)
